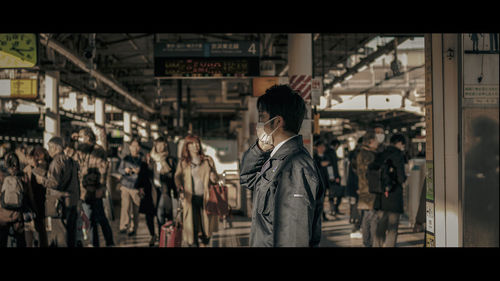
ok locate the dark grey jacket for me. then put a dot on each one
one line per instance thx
(287, 196)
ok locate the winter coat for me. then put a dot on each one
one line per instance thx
(129, 180)
(165, 178)
(63, 176)
(94, 158)
(394, 202)
(363, 159)
(183, 180)
(288, 194)
(15, 218)
(352, 177)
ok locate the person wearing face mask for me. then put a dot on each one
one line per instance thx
(380, 136)
(288, 190)
(366, 200)
(194, 175)
(91, 159)
(389, 205)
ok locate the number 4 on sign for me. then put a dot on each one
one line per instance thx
(252, 49)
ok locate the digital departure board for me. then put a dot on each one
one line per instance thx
(206, 67)
(203, 59)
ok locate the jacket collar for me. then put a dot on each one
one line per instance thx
(289, 147)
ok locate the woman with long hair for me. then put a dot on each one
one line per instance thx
(194, 175)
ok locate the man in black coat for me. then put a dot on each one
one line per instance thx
(389, 205)
(337, 190)
(287, 189)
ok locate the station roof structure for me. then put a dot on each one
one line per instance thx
(123, 65)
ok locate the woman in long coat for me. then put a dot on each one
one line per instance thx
(194, 175)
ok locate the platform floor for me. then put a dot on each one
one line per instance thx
(336, 233)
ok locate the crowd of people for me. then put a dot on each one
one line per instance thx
(54, 197)
(374, 213)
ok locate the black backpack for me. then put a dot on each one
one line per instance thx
(381, 177)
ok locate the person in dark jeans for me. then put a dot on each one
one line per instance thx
(162, 169)
(94, 210)
(334, 176)
(93, 165)
(389, 205)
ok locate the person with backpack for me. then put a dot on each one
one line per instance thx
(365, 157)
(389, 201)
(14, 202)
(93, 169)
(62, 195)
(162, 168)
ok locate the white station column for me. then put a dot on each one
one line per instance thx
(52, 118)
(127, 126)
(300, 63)
(100, 122)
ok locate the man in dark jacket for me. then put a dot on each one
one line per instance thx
(63, 190)
(287, 189)
(389, 205)
(337, 190)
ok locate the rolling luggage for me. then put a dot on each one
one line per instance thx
(171, 232)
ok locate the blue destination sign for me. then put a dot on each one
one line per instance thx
(207, 49)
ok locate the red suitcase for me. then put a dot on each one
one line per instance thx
(171, 233)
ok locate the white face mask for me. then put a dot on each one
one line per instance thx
(262, 135)
(380, 137)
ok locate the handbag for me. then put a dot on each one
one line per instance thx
(217, 204)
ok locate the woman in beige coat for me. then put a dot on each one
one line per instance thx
(194, 175)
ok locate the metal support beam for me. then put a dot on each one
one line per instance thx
(70, 55)
(365, 61)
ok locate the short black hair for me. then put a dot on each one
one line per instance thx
(398, 138)
(319, 142)
(335, 142)
(281, 100)
(160, 139)
(89, 133)
(135, 139)
(12, 163)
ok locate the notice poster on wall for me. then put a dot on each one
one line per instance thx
(480, 69)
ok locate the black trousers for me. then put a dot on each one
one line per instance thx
(17, 235)
(197, 203)
(71, 219)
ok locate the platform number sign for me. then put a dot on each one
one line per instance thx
(252, 49)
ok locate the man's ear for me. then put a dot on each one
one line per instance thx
(281, 121)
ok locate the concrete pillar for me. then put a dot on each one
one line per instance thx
(52, 118)
(127, 126)
(100, 122)
(300, 63)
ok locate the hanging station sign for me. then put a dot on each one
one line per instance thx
(19, 88)
(207, 59)
(18, 50)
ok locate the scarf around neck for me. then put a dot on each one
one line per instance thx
(162, 158)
